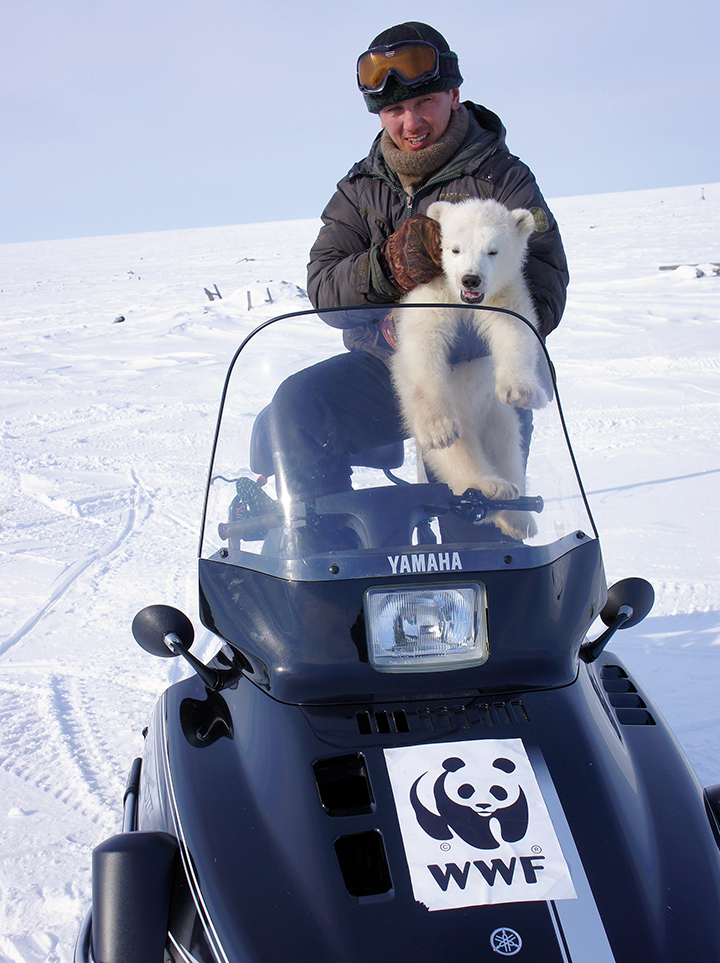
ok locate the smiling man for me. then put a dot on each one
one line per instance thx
(375, 243)
(418, 123)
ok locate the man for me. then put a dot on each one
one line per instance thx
(376, 244)
(372, 247)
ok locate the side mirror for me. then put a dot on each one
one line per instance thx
(628, 602)
(152, 624)
(635, 593)
(166, 632)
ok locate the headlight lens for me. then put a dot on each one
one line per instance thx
(427, 629)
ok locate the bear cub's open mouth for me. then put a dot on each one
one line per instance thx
(472, 297)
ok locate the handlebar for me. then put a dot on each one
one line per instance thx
(361, 511)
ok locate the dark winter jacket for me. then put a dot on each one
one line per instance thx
(346, 267)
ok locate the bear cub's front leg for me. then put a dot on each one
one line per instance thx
(421, 375)
(435, 421)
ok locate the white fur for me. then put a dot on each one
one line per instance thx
(463, 417)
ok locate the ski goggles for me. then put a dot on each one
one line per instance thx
(413, 62)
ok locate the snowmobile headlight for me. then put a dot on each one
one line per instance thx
(427, 629)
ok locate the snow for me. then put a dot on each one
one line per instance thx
(106, 435)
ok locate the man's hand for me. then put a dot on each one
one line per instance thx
(413, 253)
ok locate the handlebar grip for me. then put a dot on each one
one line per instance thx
(250, 528)
(526, 503)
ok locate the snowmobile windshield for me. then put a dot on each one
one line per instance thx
(332, 463)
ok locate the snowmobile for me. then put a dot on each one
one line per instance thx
(408, 746)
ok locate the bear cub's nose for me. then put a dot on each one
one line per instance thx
(470, 281)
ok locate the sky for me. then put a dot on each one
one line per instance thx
(154, 115)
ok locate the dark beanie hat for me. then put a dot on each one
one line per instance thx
(394, 91)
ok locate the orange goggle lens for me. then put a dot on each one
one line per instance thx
(412, 64)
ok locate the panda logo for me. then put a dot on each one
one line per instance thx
(480, 815)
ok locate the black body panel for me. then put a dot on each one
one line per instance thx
(263, 845)
(306, 640)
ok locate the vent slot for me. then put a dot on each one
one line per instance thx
(518, 711)
(459, 717)
(626, 700)
(382, 722)
(618, 685)
(444, 718)
(344, 785)
(501, 714)
(400, 720)
(486, 718)
(426, 720)
(634, 717)
(630, 709)
(363, 723)
(363, 864)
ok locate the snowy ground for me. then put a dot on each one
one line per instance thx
(106, 434)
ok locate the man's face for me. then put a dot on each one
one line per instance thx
(421, 121)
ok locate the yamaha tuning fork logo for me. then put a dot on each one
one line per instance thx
(475, 826)
(506, 942)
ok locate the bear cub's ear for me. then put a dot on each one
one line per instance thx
(436, 209)
(524, 220)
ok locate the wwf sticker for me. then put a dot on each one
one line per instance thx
(540, 217)
(475, 826)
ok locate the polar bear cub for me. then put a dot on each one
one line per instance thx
(463, 416)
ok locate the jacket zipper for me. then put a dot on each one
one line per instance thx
(411, 198)
(432, 183)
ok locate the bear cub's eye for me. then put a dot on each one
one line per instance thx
(456, 250)
(492, 253)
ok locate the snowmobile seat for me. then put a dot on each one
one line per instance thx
(385, 458)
